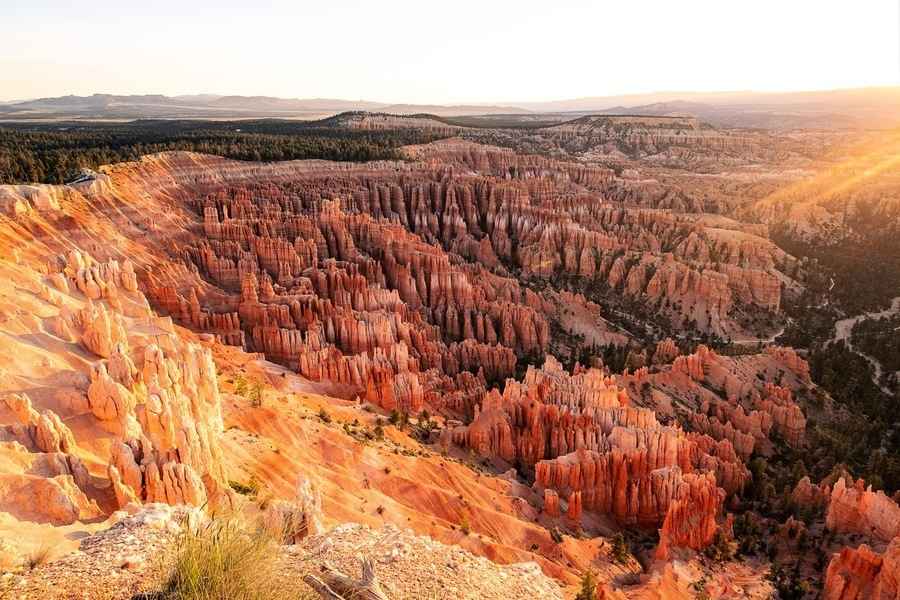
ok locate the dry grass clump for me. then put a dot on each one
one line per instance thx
(226, 559)
(37, 558)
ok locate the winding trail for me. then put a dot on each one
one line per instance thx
(843, 331)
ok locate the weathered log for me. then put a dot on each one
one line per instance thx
(334, 585)
(321, 588)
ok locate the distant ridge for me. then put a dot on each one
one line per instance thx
(861, 107)
(209, 106)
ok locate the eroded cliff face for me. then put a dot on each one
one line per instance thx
(141, 409)
(404, 282)
(410, 286)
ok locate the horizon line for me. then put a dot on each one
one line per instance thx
(14, 100)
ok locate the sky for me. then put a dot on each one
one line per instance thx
(455, 51)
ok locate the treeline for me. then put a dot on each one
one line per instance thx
(56, 153)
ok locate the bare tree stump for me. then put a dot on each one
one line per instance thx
(334, 585)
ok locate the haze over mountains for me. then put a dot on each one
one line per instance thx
(862, 107)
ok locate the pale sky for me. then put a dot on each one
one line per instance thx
(447, 52)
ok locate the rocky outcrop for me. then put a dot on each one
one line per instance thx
(296, 520)
(102, 330)
(861, 573)
(805, 494)
(551, 503)
(420, 257)
(666, 351)
(418, 285)
(855, 508)
(45, 431)
(172, 418)
(690, 520)
(589, 446)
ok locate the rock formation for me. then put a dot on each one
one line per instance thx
(435, 284)
(857, 574)
(854, 508)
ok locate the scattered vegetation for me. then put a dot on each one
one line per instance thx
(721, 549)
(255, 394)
(240, 385)
(588, 586)
(618, 549)
(790, 584)
(37, 558)
(699, 589)
(249, 489)
(556, 535)
(848, 276)
(748, 534)
(398, 419)
(464, 526)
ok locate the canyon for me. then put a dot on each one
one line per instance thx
(420, 344)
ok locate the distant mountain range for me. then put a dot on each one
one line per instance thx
(206, 106)
(862, 107)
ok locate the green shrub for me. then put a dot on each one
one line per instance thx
(721, 549)
(240, 385)
(588, 586)
(464, 526)
(618, 550)
(256, 394)
(251, 488)
(556, 535)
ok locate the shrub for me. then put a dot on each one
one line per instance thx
(464, 526)
(224, 560)
(256, 394)
(721, 549)
(556, 535)
(240, 385)
(251, 488)
(699, 588)
(324, 416)
(399, 419)
(37, 558)
(588, 586)
(619, 549)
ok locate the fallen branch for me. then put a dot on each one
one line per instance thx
(334, 585)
